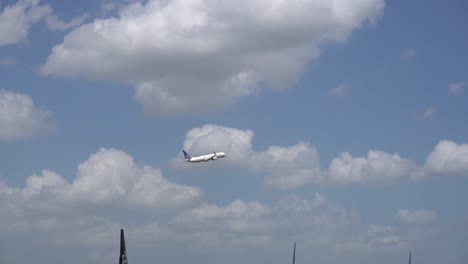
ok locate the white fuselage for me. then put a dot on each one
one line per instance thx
(204, 158)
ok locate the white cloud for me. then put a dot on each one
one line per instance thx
(235, 217)
(421, 216)
(456, 87)
(241, 224)
(15, 20)
(409, 53)
(447, 158)
(340, 90)
(201, 56)
(377, 167)
(288, 167)
(110, 175)
(20, 118)
(429, 112)
(108, 178)
(54, 23)
(47, 182)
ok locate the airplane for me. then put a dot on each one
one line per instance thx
(203, 158)
(123, 249)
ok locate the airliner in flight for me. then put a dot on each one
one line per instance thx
(204, 158)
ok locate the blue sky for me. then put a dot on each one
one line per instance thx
(344, 126)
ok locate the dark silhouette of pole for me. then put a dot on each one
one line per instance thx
(123, 249)
(294, 254)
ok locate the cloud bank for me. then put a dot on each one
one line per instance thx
(290, 167)
(111, 191)
(50, 205)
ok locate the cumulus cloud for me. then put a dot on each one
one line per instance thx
(49, 182)
(288, 167)
(108, 178)
(255, 224)
(20, 117)
(238, 216)
(448, 158)
(110, 175)
(377, 167)
(200, 229)
(456, 87)
(15, 20)
(421, 216)
(201, 56)
(340, 90)
(51, 206)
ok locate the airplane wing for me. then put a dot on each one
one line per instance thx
(214, 157)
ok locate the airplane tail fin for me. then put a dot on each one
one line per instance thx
(123, 249)
(186, 155)
(410, 257)
(294, 254)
